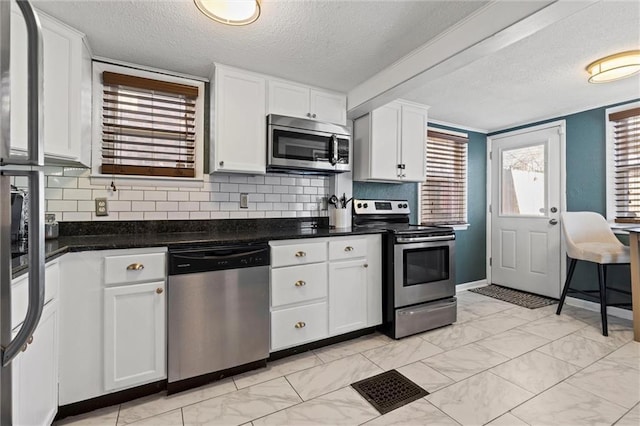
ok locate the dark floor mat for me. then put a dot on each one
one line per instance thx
(388, 391)
(520, 298)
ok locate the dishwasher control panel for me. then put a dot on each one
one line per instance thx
(217, 258)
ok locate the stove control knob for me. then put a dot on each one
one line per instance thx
(365, 205)
(400, 205)
(359, 205)
(405, 205)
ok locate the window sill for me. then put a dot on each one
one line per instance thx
(622, 228)
(461, 227)
(125, 180)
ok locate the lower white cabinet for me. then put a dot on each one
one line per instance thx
(347, 296)
(134, 334)
(35, 373)
(112, 336)
(337, 290)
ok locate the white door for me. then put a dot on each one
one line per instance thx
(347, 296)
(134, 334)
(288, 99)
(414, 135)
(329, 107)
(525, 211)
(385, 142)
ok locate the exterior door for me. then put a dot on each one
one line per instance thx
(525, 211)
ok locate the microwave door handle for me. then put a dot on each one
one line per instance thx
(334, 150)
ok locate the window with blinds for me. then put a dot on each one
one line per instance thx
(626, 151)
(443, 195)
(148, 127)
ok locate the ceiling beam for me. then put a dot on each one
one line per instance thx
(493, 27)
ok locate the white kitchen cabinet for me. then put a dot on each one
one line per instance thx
(296, 100)
(134, 334)
(35, 370)
(389, 143)
(347, 296)
(85, 350)
(239, 122)
(66, 96)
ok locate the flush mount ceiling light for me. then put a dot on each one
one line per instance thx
(230, 12)
(614, 67)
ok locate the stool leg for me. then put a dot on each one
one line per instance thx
(603, 298)
(572, 267)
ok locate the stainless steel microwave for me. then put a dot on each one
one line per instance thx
(307, 146)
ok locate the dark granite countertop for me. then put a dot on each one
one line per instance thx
(151, 235)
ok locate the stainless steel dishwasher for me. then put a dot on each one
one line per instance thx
(218, 310)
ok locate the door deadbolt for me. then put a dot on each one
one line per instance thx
(554, 210)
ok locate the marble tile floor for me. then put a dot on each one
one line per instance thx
(500, 364)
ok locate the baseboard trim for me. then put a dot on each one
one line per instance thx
(471, 284)
(592, 306)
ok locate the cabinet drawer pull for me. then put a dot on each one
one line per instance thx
(135, 267)
(300, 283)
(348, 248)
(159, 290)
(24, 347)
(300, 254)
(300, 324)
(366, 265)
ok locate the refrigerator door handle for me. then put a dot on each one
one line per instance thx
(36, 265)
(34, 93)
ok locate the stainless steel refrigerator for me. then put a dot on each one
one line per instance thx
(30, 165)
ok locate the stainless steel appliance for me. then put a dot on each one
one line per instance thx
(218, 310)
(307, 146)
(31, 166)
(18, 213)
(418, 268)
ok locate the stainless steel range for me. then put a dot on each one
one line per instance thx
(418, 268)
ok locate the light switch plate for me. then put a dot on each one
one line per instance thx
(244, 200)
(102, 207)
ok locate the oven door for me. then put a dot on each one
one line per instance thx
(423, 270)
(308, 149)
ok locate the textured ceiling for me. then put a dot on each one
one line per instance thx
(542, 76)
(327, 43)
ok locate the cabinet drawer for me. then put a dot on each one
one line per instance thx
(347, 249)
(312, 324)
(298, 254)
(134, 268)
(298, 284)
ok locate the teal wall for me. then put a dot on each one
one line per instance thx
(586, 182)
(470, 243)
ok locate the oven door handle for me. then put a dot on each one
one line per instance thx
(425, 239)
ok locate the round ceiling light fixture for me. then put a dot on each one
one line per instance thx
(614, 67)
(230, 12)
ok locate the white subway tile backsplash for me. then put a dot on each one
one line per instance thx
(177, 196)
(143, 206)
(127, 195)
(155, 196)
(54, 171)
(71, 195)
(76, 194)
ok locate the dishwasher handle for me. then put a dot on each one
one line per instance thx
(205, 256)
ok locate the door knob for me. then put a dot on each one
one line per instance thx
(553, 221)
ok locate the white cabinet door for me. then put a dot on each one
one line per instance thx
(385, 142)
(329, 107)
(374, 280)
(240, 115)
(347, 296)
(35, 374)
(288, 99)
(414, 137)
(134, 334)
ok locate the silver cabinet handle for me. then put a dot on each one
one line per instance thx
(348, 248)
(313, 115)
(300, 324)
(553, 222)
(159, 290)
(221, 163)
(309, 114)
(300, 283)
(300, 254)
(135, 267)
(366, 265)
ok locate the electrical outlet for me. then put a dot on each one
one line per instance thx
(244, 200)
(102, 207)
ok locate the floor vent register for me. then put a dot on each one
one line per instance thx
(388, 391)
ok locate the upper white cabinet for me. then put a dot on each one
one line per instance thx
(66, 93)
(296, 100)
(238, 142)
(389, 143)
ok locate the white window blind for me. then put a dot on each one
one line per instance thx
(626, 140)
(148, 127)
(443, 195)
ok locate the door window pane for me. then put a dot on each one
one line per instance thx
(523, 181)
